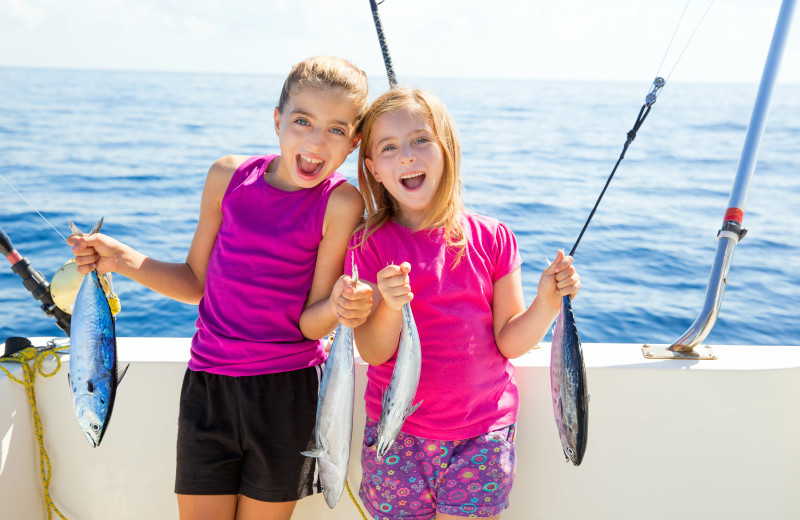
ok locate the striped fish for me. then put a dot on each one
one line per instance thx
(568, 385)
(398, 397)
(93, 369)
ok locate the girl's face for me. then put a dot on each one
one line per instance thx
(408, 160)
(317, 132)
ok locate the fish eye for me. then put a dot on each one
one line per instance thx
(95, 427)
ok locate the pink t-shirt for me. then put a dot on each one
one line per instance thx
(466, 385)
(259, 275)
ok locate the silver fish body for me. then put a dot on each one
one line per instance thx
(93, 366)
(568, 385)
(397, 399)
(334, 430)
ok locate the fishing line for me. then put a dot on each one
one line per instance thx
(32, 206)
(658, 84)
(688, 42)
(669, 45)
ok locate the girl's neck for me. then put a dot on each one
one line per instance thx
(409, 220)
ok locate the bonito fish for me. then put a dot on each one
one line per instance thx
(334, 429)
(398, 397)
(93, 368)
(568, 385)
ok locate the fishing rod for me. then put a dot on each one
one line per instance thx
(732, 231)
(33, 280)
(387, 59)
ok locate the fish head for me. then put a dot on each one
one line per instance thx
(91, 412)
(332, 481)
(573, 456)
(386, 436)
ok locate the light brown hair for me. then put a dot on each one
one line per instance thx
(327, 72)
(446, 208)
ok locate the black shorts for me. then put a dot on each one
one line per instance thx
(244, 435)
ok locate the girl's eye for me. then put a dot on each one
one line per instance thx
(338, 131)
(302, 121)
(421, 140)
(388, 148)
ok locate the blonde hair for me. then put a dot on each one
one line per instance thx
(328, 72)
(446, 208)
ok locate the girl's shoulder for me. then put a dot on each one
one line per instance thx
(345, 200)
(478, 225)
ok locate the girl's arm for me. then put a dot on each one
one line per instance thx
(181, 281)
(517, 329)
(377, 338)
(332, 297)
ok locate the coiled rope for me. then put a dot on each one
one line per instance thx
(31, 360)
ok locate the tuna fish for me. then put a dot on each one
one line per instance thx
(568, 385)
(398, 397)
(93, 369)
(334, 429)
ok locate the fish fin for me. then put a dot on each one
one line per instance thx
(315, 453)
(412, 408)
(121, 372)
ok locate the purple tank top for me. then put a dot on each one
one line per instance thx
(259, 275)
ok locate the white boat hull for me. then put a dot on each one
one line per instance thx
(668, 439)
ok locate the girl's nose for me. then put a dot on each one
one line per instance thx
(407, 155)
(316, 138)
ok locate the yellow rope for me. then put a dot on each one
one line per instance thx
(347, 485)
(23, 357)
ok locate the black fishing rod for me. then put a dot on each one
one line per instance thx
(387, 59)
(33, 280)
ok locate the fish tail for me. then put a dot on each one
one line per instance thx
(74, 228)
(97, 226)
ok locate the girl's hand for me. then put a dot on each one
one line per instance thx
(393, 283)
(352, 301)
(96, 251)
(558, 280)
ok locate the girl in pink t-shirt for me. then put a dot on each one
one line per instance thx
(461, 274)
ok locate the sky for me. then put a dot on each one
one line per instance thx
(584, 40)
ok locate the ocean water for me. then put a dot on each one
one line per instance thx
(134, 148)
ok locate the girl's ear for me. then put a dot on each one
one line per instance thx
(356, 140)
(277, 116)
(371, 168)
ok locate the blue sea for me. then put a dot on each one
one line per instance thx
(134, 148)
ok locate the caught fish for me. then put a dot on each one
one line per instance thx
(334, 429)
(93, 370)
(568, 385)
(398, 397)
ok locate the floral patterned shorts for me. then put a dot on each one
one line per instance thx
(419, 477)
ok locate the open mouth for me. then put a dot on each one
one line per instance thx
(412, 181)
(308, 165)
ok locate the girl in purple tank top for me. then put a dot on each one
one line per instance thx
(460, 272)
(265, 266)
